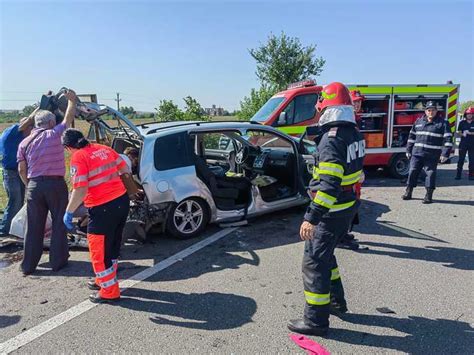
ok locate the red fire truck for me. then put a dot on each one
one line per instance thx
(388, 112)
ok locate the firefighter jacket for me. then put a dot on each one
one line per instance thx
(338, 167)
(467, 140)
(429, 139)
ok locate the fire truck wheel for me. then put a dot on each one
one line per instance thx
(399, 166)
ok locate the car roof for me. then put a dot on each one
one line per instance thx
(155, 128)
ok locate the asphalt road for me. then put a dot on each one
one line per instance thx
(237, 294)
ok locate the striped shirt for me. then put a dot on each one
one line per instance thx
(43, 152)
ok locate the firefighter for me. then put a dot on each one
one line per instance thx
(466, 146)
(349, 241)
(428, 136)
(339, 157)
(97, 172)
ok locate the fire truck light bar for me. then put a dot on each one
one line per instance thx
(302, 84)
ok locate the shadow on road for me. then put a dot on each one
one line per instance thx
(7, 321)
(424, 335)
(456, 258)
(209, 311)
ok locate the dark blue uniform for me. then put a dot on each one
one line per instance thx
(425, 144)
(339, 161)
(466, 146)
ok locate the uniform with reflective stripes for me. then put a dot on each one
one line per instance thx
(98, 168)
(466, 146)
(338, 167)
(430, 138)
(426, 142)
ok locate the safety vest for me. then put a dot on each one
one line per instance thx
(97, 167)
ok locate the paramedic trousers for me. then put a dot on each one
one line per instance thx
(321, 280)
(104, 235)
(429, 165)
(469, 150)
(43, 194)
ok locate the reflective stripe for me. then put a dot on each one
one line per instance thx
(447, 135)
(109, 283)
(428, 134)
(107, 272)
(329, 172)
(292, 129)
(324, 199)
(103, 179)
(332, 166)
(342, 206)
(452, 98)
(335, 274)
(319, 299)
(411, 141)
(105, 167)
(352, 178)
(451, 109)
(79, 178)
(428, 146)
(448, 144)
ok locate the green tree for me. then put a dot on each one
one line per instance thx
(193, 110)
(28, 109)
(127, 110)
(252, 103)
(464, 105)
(283, 60)
(168, 111)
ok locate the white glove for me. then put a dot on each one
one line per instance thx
(408, 155)
(464, 133)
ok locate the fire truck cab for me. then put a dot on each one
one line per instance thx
(387, 115)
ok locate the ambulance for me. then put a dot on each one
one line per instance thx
(388, 112)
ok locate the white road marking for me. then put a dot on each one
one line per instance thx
(41, 329)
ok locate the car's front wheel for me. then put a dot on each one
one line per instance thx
(188, 218)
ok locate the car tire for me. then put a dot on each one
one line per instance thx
(399, 166)
(188, 218)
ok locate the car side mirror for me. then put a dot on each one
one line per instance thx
(282, 118)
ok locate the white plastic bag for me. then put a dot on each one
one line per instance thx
(18, 226)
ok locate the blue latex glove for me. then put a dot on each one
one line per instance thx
(67, 219)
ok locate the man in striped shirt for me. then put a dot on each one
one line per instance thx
(428, 136)
(41, 167)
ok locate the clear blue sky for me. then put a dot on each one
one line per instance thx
(155, 50)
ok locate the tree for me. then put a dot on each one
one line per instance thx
(251, 104)
(127, 110)
(28, 109)
(193, 110)
(283, 60)
(168, 111)
(464, 105)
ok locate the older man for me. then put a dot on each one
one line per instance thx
(41, 167)
(14, 187)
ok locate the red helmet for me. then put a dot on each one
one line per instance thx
(357, 96)
(334, 94)
(469, 110)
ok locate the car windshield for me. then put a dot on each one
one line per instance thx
(267, 109)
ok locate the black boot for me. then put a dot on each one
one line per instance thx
(458, 175)
(408, 193)
(300, 326)
(91, 285)
(428, 197)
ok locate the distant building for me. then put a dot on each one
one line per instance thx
(215, 111)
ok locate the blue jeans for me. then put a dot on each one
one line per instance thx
(16, 196)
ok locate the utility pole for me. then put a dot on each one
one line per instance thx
(118, 99)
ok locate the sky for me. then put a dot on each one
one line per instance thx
(154, 50)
